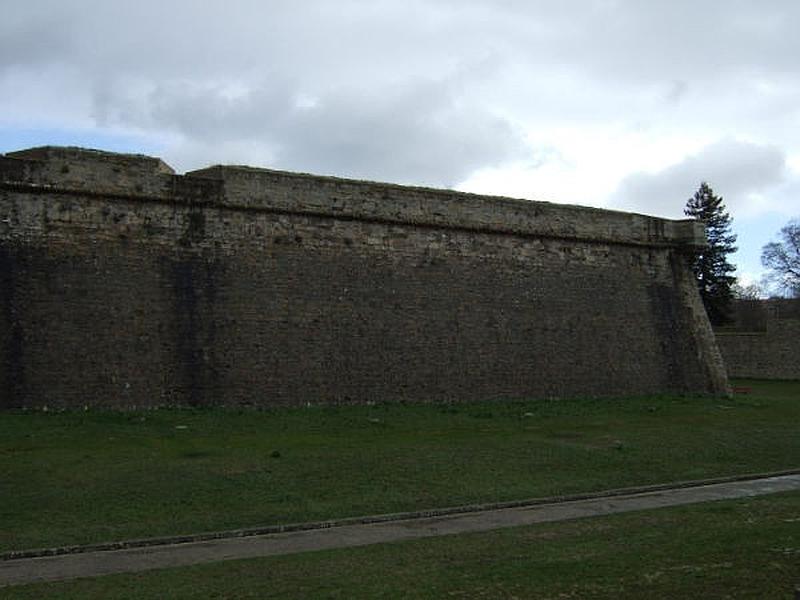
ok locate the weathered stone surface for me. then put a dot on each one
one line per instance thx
(123, 284)
(764, 342)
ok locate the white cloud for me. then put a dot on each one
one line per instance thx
(743, 173)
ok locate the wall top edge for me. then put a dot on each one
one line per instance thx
(90, 155)
(97, 172)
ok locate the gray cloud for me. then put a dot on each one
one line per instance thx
(735, 170)
(414, 133)
(677, 90)
(232, 81)
(419, 131)
(416, 91)
(598, 40)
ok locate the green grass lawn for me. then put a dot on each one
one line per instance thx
(734, 549)
(79, 477)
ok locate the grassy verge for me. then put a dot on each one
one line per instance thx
(80, 477)
(734, 549)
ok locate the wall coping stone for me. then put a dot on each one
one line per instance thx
(85, 172)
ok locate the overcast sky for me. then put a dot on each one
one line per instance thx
(625, 104)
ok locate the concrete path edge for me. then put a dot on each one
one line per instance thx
(381, 518)
(129, 560)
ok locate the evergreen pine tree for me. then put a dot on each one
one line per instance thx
(711, 267)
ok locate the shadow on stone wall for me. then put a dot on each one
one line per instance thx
(764, 339)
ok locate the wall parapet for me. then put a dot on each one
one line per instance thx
(79, 171)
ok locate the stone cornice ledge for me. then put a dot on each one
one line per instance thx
(81, 172)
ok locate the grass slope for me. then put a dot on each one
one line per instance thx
(79, 477)
(733, 549)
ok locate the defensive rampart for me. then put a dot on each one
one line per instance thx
(123, 284)
(764, 340)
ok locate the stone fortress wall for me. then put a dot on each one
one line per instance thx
(123, 284)
(764, 340)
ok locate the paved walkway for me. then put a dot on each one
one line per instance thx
(95, 563)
